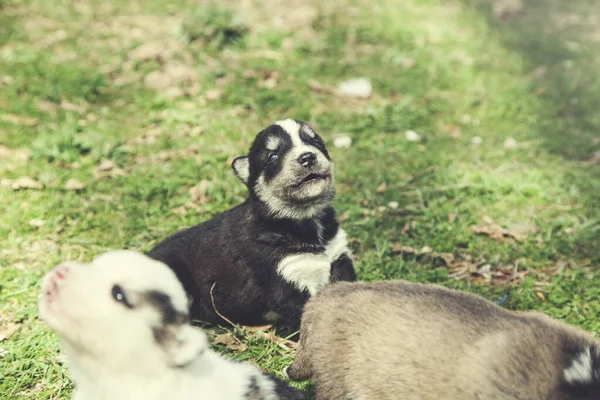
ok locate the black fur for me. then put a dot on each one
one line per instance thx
(571, 350)
(238, 252)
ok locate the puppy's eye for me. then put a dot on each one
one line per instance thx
(272, 158)
(118, 295)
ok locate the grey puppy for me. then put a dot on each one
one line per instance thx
(399, 340)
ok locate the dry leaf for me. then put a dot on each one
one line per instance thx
(213, 94)
(381, 188)
(198, 192)
(19, 119)
(319, 87)
(74, 184)
(8, 329)
(452, 217)
(230, 341)
(105, 165)
(406, 250)
(497, 232)
(26, 183)
(541, 296)
(180, 210)
(344, 216)
(262, 328)
(425, 250)
(271, 79)
(506, 8)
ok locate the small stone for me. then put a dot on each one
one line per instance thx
(510, 143)
(476, 141)
(359, 88)
(342, 142)
(412, 136)
(37, 222)
(393, 204)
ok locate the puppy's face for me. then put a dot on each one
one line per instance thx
(122, 303)
(289, 169)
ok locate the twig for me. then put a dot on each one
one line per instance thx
(212, 300)
(435, 189)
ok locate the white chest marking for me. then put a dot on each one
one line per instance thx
(581, 369)
(311, 271)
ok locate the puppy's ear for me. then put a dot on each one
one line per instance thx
(241, 167)
(189, 343)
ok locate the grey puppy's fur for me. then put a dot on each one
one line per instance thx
(398, 340)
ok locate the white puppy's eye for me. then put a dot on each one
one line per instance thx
(118, 295)
(272, 157)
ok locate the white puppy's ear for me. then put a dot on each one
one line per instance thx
(241, 167)
(189, 344)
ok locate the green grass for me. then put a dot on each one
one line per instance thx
(437, 68)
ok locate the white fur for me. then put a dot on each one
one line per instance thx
(273, 143)
(279, 207)
(308, 271)
(581, 369)
(337, 246)
(111, 351)
(292, 128)
(241, 166)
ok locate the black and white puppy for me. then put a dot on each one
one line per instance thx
(268, 255)
(124, 326)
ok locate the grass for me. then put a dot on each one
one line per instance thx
(74, 94)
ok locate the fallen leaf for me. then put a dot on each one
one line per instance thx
(180, 210)
(319, 87)
(381, 188)
(249, 74)
(541, 296)
(213, 94)
(506, 8)
(452, 217)
(344, 216)
(8, 329)
(262, 328)
(74, 184)
(270, 81)
(198, 192)
(230, 341)
(19, 119)
(358, 87)
(405, 250)
(26, 183)
(425, 250)
(447, 258)
(538, 72)
(105, 165)
(496, 232)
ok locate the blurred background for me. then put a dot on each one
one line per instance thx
(465, 136)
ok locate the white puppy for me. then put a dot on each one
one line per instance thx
(124, 327)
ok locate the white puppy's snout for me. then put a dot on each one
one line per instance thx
(61, 271)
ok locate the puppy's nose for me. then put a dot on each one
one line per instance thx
(307, 159)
